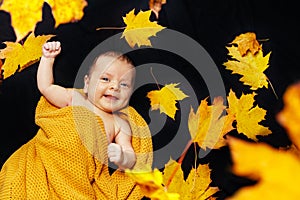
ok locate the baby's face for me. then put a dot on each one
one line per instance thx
(110, 84)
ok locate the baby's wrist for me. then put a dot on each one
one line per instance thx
(47, 58)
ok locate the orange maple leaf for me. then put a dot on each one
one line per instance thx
(289, 116)
(246, 115)
(18, 57)
(65, 11)
(139, 28)
(276, 171)
(209, 124)
(250, 66)
(196, 186)
(166, 98)
(247, 42)
(24, 15)
(155, 6)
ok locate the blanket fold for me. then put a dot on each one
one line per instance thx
(67, 159)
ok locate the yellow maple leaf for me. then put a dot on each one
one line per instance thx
(24, 15)
(166, 98)
(208, 125)
(246, 115)
(139, 28)
(276, 171)
(65, 11)
(18, 57)
(247, 42)
(196, 186)
(151, 184)
(289, 116)
(250, 66)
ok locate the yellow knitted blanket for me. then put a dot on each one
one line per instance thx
(67, 158)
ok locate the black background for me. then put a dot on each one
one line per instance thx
(213, 24)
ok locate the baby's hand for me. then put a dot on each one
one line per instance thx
(51, 49)
(115, 153)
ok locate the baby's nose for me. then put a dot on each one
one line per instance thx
(114, 85)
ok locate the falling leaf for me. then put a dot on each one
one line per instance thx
(196, 186)
(65, 11)
(166, 98)
(155, 6)
(289, 116)
(250, 66)
(247, 42)
(139, 28)
(208, 125)
(276, 171)
(1, 76)
(151, 184)
(24, 15)
(247, 116)
(18, 57)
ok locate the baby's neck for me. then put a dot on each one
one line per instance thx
(80, 99)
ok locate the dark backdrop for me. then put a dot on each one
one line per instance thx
(213, 24)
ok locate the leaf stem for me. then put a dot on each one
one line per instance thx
(272, 88)
(108, 28)
(190, 142)
(154, 78)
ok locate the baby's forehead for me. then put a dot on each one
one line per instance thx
(113, 65)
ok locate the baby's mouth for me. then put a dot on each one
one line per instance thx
(111, 97)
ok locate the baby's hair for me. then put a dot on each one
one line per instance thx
(112, 54)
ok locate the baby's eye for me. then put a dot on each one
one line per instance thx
(104, 79)
(124, 85)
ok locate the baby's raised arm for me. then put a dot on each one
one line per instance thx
(57, 95)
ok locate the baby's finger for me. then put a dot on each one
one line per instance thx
(57, 45)
(46, 46)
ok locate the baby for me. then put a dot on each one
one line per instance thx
(108, 87)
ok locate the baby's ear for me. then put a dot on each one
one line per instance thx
(86, 84)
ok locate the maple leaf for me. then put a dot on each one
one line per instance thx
(247, 117)
(276, 171)
(208, 125)
(289, 116)
(24, 15)
(250, 66)
(196, 186)
(166, 98)
(65, 11)
(18, 57)
(139, 28)
(151, 184)
(155, 6)
(247, 42)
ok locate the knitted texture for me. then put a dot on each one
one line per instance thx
(67, 159)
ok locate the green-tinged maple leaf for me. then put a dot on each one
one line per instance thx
(195, 187)
(250, 66)
(24, 15)
(18, 57)
(209, 124)
(139, 28)
(246, 115)
(166, 98)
